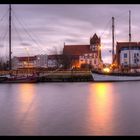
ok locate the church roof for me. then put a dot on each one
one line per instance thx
(76, 49)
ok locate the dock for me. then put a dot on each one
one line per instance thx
(67, 76)
(55, 76)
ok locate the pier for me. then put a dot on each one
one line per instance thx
(54, 76)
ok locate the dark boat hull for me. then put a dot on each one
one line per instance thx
(20, 80)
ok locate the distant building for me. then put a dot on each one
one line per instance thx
(24, 62)
(41, 60)
(54, 61)
(87, 54)
(128, 55)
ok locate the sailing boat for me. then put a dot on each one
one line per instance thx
(16, 78)
(106, 75)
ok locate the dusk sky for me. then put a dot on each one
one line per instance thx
(52, 25)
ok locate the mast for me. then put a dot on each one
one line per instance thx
(112, 39)
(10, 66)
(129, 26)
(129, 38)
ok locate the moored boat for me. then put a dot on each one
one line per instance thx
(27, 79)
(114, 77)
(9, 78)
(3, 78)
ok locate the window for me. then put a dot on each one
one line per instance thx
(90, 62)
(125, 55)
(137, 54)
(135, 60)
(94, 61)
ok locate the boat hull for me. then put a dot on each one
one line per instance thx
(20, 80)
(100, 77)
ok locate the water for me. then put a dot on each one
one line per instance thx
(70, 109)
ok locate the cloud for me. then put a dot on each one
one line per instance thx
(25, 44)
(52, 25)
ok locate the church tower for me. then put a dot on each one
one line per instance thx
(95, 43)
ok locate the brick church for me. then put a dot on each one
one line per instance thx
(85, 54)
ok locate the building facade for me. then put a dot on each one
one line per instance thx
(128, 55)
(42, 61)
(55, 61)
(87, 54)
(24, 62)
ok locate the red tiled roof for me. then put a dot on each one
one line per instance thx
(124, 44)
(128, 43)
(30, 58)
(76, 49)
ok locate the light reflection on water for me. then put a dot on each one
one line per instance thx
(27, 113)
(101, 108)
(70, 109)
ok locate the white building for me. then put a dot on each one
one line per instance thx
(55, 61)
(29, 62)
(89, 58)
(128, 55)
(24, 62)
(41, 61)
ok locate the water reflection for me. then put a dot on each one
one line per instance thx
(27, 108)
(101, 108)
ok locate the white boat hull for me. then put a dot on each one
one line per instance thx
(107, 78)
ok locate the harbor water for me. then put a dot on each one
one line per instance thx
(70, 109)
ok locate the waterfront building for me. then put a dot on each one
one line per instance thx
(41, 60)
(128, 55)
(54, 61)
(87, 54)
(24, 62)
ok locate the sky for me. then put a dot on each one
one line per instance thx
(43, 28)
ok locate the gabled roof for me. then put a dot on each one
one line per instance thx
(76, 49)
(95, 39)
(95, 36)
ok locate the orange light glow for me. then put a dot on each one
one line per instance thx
(100, 108)
(107, 70)
(26, 109)
(26, 95)
(76, 65)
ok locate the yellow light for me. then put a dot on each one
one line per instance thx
(106, 70)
